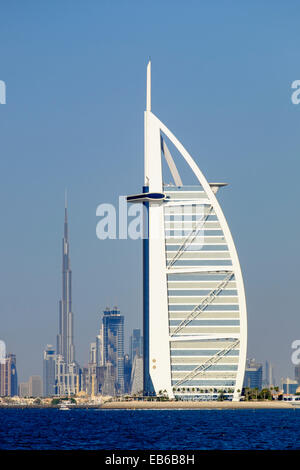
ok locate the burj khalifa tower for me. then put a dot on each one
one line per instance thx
(65, 337)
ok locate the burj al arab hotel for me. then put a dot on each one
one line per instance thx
(194, 307)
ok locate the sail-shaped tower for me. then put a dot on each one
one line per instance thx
(194, 308)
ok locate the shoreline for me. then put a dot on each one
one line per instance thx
(188, 405)
(170, 405)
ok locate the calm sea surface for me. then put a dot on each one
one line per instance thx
(149, 429)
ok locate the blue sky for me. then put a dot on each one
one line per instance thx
(75, 75)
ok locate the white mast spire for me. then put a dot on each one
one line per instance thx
(148, 103)
(147, 114)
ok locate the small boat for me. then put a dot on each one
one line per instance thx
(63, 406)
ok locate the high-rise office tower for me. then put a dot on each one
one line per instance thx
(253, 374)
(65, 339)
(8, 376)
(49, 371)
(135, 344)
(113, 344)
(195, 321)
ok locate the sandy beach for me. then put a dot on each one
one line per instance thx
(220, 405)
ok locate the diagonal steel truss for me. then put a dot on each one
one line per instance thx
(205, 302)
(189, 239)
(200, 369)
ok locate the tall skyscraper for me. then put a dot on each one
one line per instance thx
(66, 369)
(8, 376)
(113, 345)
(65, 338)
(195, 320)
(49, 371)
(99, 348)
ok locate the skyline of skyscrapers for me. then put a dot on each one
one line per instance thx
(109, 370)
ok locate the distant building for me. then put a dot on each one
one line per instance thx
(99, 348)
(297, 374)
(109, 380)
(67, 377)
(269, 379)
(113, 345)
(93, 359)
(23, 389)
(253, 374)
(289, 386)
(127, 373)
(85, 379)
(49, 371)
(35, 386)
(136, 341)
(8, 376)
(137, 375)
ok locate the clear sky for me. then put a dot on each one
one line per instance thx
(75, 74)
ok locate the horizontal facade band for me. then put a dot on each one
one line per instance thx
(199, 292)
(197, 247)
(195, 360)
(210, 308)
(180, 369)
(206, 241)
(184, 216)
(177, 237)
(188, 329)
(204, 383)
(217, 263)
(209, 315)
(198, 286)
(201, 255)
(201, 352)
(197, 274)
(173, 299)
(202, 341)
(205, 322)
(192, 225)
(208, 374)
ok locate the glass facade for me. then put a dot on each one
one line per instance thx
(113, 345)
